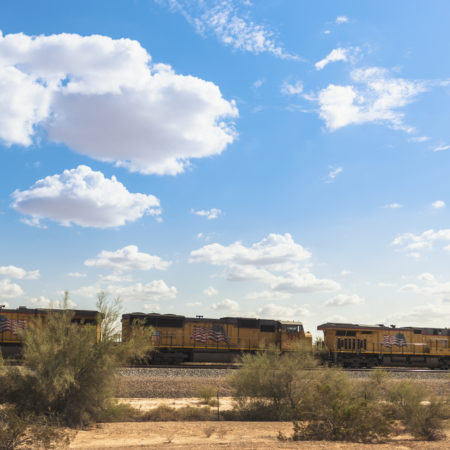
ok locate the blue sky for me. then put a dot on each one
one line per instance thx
(280, 159)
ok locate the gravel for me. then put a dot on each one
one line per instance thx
(179, 382)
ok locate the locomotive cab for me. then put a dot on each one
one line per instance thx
(292, 334)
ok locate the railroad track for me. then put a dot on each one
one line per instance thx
(237, 366)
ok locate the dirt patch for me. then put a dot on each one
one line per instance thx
(146, 404)
(211, 435)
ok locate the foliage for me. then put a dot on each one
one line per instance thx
(272, 386)
(18, 431)
(208, 395)
(68, 369)
(422, 418)
(187, 413)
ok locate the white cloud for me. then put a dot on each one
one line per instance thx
(375, 97)
(303, 281)
(440, 148)
(258, 83)
(9, 290)
(103, 98)
(18, 272)
(429, 286)
(76, 274)
(278, 312)
(393, 206)
(127, 258)
(115, 277)
(295, 88)
(345, 272)
(210, 214)
(267, 295)
(418, 242)
(193, 304)
(337, 54)
(210, 291)
(421, 315)
(155, 290)
(341, 19)
(273, 249)
(334, 172)
(345, 300)
(227, 305)
(44, 302)
(438, 204)
(419, 139)
(83, 197)
(232, 27)
(263, 261)
(153, 307)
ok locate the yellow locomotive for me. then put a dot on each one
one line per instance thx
(352, 345)
(178, 338)
(13, 321)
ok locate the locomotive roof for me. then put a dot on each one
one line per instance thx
(137, 315)
(354, 326)
(25, 310)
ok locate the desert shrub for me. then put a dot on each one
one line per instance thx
(207, 395)
(421, 414)
(338, 410)
(165, 413)
(270, 386)
(19, 431)
(68, 372)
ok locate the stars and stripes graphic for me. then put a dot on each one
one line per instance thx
(391, 340)
(215, 334)
(12, 325)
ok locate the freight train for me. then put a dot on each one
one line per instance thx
(178, 338)
(13, 321)
(351, 345)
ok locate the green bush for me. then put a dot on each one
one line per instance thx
(421, 414)
(270, 386)
(68, 372)
(18, 431)
(208, 395)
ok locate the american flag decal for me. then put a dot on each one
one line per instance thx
(12, 325)
(215, 334)
(390, 340)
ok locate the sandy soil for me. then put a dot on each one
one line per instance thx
(146, 404)
(212, 435)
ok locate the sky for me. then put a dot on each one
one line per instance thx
(275, 158)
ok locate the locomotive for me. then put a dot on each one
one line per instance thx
(352, 345)
(178, 338)
(14, 321)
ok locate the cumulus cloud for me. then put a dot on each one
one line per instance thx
(267, 295)
(210, 214)
(9, 290)
(279, 312)
(83, 197)
(18, 272)
(337, 54)
(226, 305)
(428, 285)
(104, 98)
(155, 290)
(127, 258)
(438, 204)
(295, 88)
(210, 291)
(302, 281)
(225, 20)
(345, 300)
(44, 302)
(375, 97)
(417, 242)
(273, 261)
(421, 315)
(273, 249)
(393, 206)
